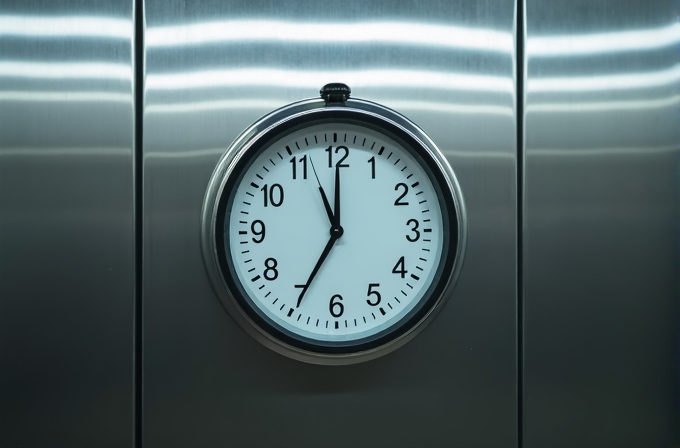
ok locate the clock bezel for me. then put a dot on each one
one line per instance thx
(221, 190)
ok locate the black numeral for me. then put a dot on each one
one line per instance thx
(339, 164)
(257, 224)
(270, 272)
(403, 195)
(414, 229)
(303, 161)
(373, 292)
(336, 307)
(400, 268)
(273, 195)
(372, 162)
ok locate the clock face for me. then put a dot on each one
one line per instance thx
(335, 235)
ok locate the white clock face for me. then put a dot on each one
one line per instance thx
(334, 234)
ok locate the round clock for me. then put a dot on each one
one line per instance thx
(333, 229)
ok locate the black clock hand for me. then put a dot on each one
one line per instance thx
(324, 198)
(336, 210)
(327, 250)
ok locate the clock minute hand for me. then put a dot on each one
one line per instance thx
(327, 250)
(324, 198)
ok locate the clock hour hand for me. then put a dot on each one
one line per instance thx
(324, 198)
(336, 210)
(327, 250)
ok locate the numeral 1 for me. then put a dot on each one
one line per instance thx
(372, 162)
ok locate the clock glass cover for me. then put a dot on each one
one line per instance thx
(333, 230)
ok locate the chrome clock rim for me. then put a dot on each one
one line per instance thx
(308, 112)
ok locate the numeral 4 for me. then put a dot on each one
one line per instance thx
(400, 268)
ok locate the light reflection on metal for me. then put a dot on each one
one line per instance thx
(23, 152)
(65, 96)
(604, 106)
(265, 104)
(71, 70)
(607, 82)
(604, 152)
(613, 42)
(305, 78)
(64, 26)
(402, 33)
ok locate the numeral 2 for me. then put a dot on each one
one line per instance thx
(403, 195)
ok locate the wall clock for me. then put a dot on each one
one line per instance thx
(333, 229)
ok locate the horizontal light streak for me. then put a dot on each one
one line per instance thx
(612, 42)
(590, 152)
(266, 104)
(578, 107)
(275, 31)
(65, 97)
(605, 83)
(451, 108)
(210, 153)
(303, 79)
(66, 70)
(65, 26)
(306, 78)
(30, 152)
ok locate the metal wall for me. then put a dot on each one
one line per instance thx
(213, 68)
(598, 219)
(67, 274)
(601, 224)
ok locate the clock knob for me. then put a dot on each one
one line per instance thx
(335, 92)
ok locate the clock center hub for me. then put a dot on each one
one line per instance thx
(337, 231)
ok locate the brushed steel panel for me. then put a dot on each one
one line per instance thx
(66, 224)
(215, 67)
(601, 260)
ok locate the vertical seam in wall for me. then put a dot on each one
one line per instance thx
(138, 98)
(519, 113)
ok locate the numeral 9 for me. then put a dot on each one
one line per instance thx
(257, 224)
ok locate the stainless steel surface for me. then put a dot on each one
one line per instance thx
(213, 68)
(66, 224)
(601, 260)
